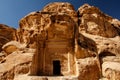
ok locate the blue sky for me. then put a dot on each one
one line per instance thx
(11, 11)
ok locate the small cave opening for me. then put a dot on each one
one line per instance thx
(104, 54)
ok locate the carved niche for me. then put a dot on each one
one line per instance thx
(56, 44)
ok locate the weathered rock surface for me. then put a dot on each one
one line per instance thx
(86, 47)
(104, 44)
(95, 22)
(6, 34)
(111, 68)
(105, 32)
(65, 8)
(93, 37)
(37, 22)
(88, 69)
(13, 46)
(16, 63)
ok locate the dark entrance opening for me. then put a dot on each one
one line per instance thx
(56, 67)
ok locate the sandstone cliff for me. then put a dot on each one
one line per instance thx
(36, 22)
(105, 32)
(96, 42)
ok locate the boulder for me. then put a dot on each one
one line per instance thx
(12, 46)
(111, 70)
(6, 34)
(88, 69)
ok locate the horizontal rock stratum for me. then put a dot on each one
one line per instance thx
(59, 43)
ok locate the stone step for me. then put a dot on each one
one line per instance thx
(26, 77)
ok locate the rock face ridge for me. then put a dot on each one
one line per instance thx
(83, 44)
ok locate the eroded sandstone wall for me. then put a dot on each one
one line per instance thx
(104, 31)
(88, 40)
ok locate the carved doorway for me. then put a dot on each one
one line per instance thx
(56, 68)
